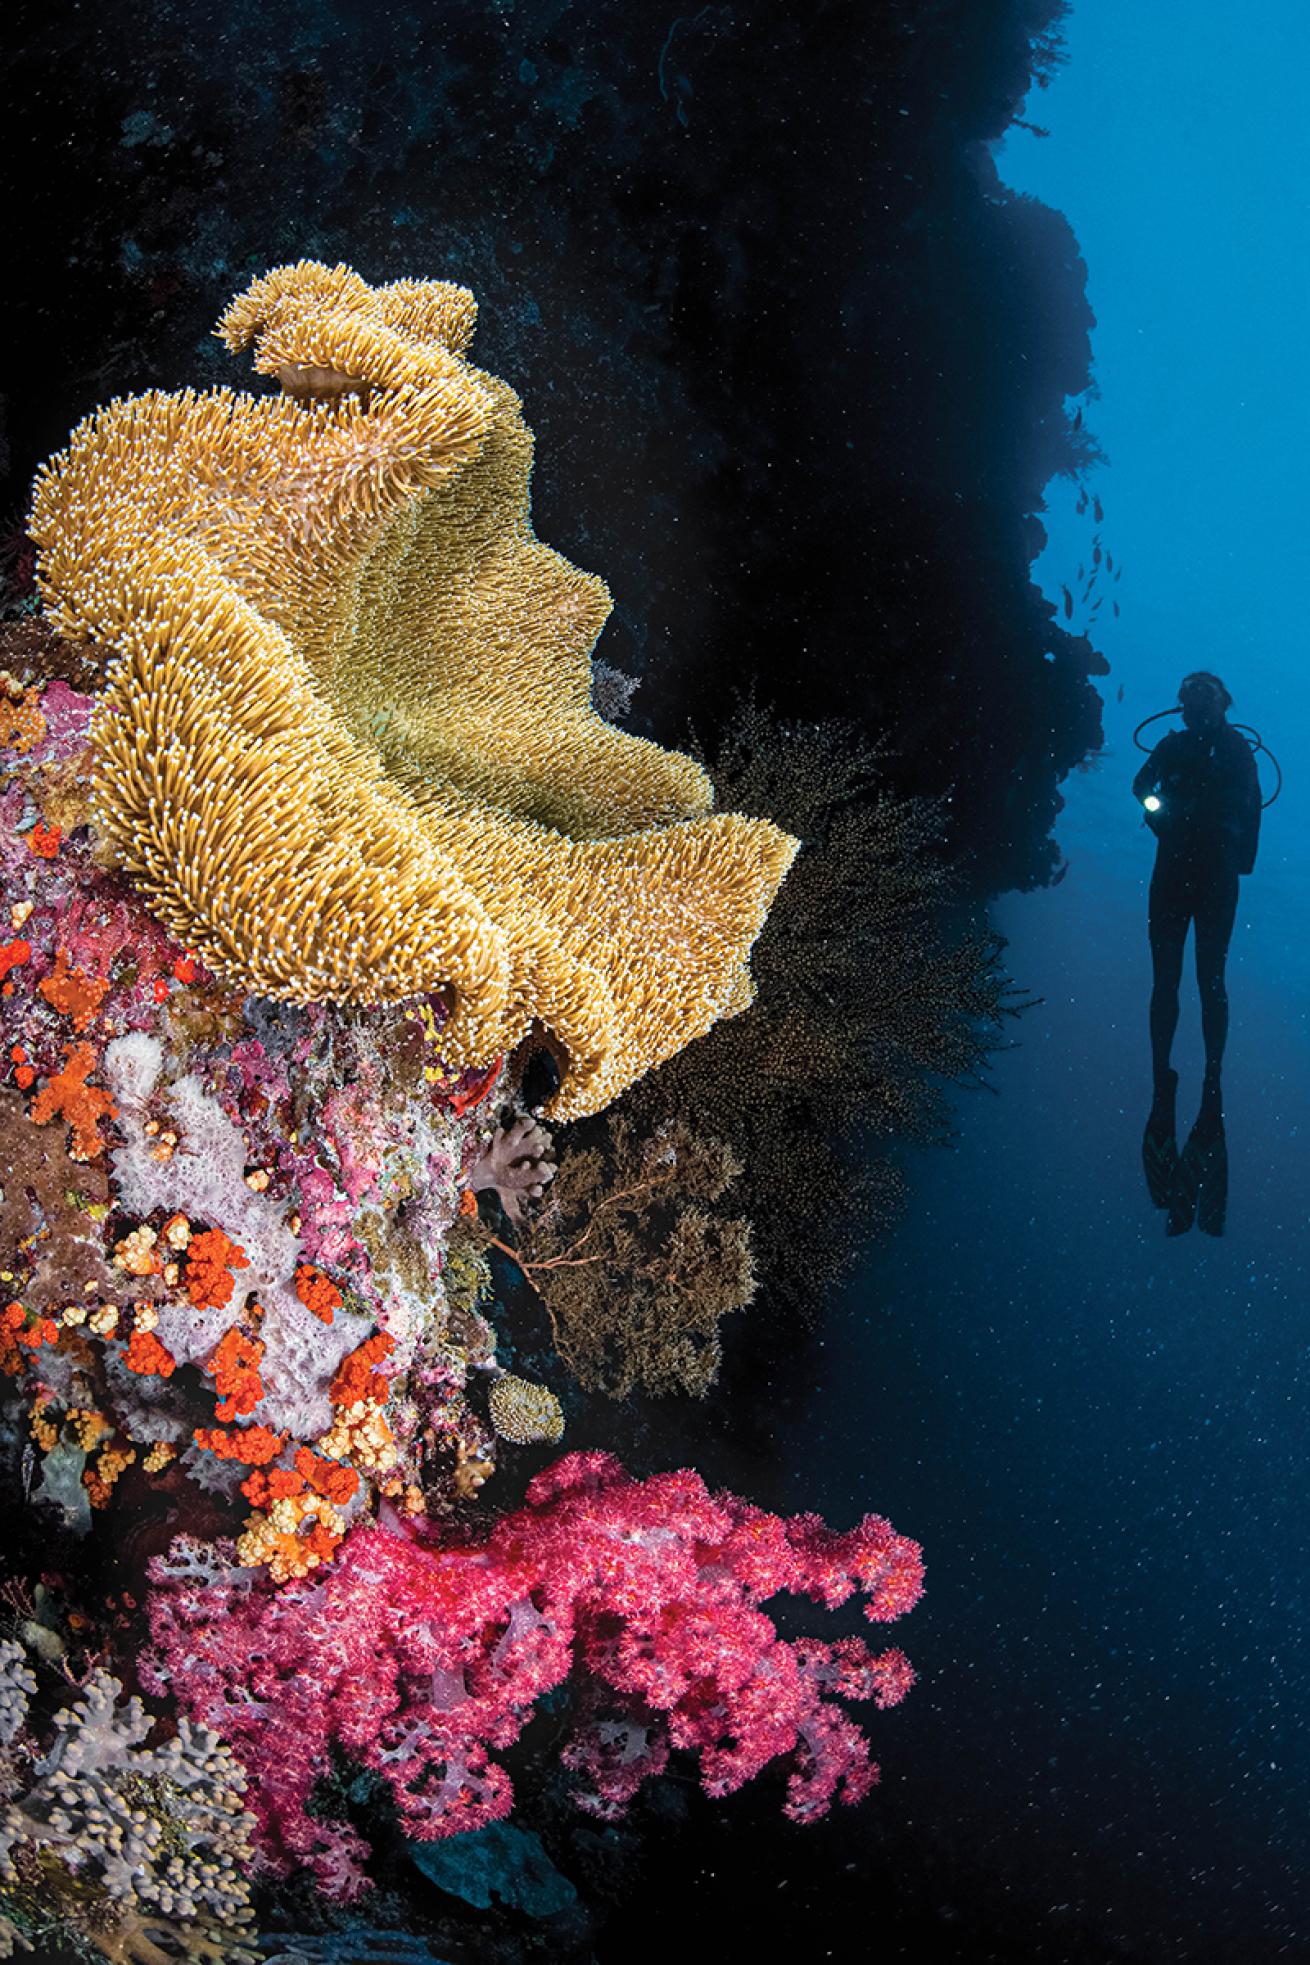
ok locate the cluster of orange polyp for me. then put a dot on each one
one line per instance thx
(346, 745)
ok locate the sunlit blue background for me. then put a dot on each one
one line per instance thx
(1116, 1666)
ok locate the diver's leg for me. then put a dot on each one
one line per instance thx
(1168, 916)
(1216, 910)
(1168, 924)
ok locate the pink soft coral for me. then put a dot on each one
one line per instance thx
(419, 1660)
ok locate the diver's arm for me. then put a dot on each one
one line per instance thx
(1148, 778)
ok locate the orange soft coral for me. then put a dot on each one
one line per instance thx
(210, 1257)
(278, 1484)
(145, 1354)
(360, 1431)
(317, 1292)
(13, 955)
(69, 1096)
(234, 1367)
(73, 993)
(253, 1445)
(18, 1336)
(44, 841)
(356, 1381)
(327, 1477)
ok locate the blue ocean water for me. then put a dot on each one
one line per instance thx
(1097, 1430)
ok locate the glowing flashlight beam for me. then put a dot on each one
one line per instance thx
(1151, 803)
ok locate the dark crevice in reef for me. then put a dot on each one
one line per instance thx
(795, 360)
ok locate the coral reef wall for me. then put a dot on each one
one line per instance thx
(243, 1364)
(838, 498)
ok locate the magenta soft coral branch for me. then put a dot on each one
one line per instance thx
(421, 1661)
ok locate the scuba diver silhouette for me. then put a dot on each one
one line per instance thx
(1200, 794)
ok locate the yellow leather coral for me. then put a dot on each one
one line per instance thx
(346, 744)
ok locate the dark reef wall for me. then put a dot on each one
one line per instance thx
(795, 360)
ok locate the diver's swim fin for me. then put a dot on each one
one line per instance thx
(1160, 1143)
(1200, 1191)
(1201, 1184)
(1212, 1200)
(1210, 1144)
(1184, 1193)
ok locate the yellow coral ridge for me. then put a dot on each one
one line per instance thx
(346, 744)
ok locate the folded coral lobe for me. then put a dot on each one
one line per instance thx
(346, 742)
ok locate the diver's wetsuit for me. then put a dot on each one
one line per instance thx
(1208, 827)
